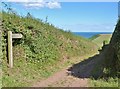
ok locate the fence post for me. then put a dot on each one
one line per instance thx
(10, 53)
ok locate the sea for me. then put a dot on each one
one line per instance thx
(90, 34)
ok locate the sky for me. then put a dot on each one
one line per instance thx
(73, 16)
(119, 8)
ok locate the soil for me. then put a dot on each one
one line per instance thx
(76, 75)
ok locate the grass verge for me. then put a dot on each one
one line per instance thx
(110, 82)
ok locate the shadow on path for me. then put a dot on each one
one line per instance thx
(89, 68)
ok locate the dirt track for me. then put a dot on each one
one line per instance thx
(76, 75)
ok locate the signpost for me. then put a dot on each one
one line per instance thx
(16, 36)
(10, 52)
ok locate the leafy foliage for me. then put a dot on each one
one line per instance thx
(42, 41)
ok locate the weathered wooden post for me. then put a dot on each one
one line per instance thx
(10, 52)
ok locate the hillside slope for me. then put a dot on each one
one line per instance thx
(99, 39)
(113, 53)
(40, 51)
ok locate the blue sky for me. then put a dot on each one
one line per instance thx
(74, 16)
(119, 9)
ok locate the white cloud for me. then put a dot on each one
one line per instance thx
(88, 0)
(38, 3)
(54, 4)
(62, 0)
(17, 0)
(34, 4)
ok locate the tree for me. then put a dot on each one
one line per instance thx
(46, 20)
(29, 15)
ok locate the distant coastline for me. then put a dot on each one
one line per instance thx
(90, 34)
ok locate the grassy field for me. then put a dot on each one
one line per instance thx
(98, 39)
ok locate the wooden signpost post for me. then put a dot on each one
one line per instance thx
(10, 52)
